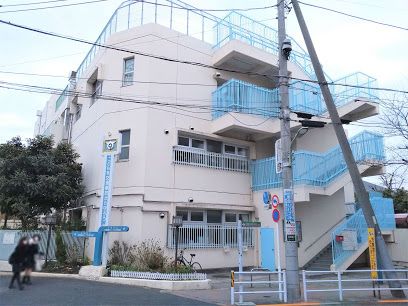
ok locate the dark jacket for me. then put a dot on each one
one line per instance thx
(18, 258)
(32, 250)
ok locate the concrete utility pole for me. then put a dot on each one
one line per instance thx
(291, 248)
(362, 194)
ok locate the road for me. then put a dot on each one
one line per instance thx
(67, 292)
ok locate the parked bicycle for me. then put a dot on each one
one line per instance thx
(195, 266)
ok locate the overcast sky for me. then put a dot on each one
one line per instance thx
(344, 45)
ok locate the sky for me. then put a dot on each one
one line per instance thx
(344, 45)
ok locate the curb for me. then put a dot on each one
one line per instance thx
(46, 274)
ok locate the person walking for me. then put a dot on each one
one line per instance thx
(32, 254)
(17, 260)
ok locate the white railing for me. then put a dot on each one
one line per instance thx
(159, 276)
(201, 158)
(258, 280)
(351, 280)
(195, 236)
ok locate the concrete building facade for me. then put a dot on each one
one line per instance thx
(194, 100)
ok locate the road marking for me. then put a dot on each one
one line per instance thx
(296, 304)
(393, 301)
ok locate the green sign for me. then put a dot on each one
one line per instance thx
(251, 224)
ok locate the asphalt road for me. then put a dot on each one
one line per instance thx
(65, 291)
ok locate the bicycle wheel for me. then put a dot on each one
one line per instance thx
(196, 267)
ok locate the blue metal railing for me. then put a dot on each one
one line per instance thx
(356, 227)
(319, 169)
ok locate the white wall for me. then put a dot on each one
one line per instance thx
(399, 249)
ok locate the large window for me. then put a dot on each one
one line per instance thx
(125, 145)
(128, 71)
(78, 112)
(96, 91)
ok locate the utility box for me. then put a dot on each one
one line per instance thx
(349, 240)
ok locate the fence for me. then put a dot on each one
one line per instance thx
(201, 158)
(159, 276)
(319, 169)
(195, 236)
(10, 238)
(255, 279)
(350, 280)
(356, 225)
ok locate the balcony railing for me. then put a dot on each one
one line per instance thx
(195, 236)
(316, 169)
(201, 158)
(356, 226)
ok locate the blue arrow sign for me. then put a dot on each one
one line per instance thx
(84, 234)
(114, 228)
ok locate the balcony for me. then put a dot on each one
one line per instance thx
(201, 158)
(319, 170)
(196, 236)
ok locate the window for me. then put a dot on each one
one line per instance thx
(214, 146)
(78, 112)
(244, 217)
(197, 143)
(241, 151)
(230, 149)
(184, 141)
(230, 217)
(183, 213)
(96, 91)
(197, 216)
(125, 145)
(128, 69)
(214, 216)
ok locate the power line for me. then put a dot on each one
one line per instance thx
(32, 3)
(354, 16)
(51, 7)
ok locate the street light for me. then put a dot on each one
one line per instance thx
(49, 220)
(177, 223)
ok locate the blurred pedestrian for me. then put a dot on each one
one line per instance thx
(31, 258)
(17, 260)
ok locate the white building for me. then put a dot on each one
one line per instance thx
(198, 137)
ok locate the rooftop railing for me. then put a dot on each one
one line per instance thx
(316, 169)
(355, 228)
(201, 158)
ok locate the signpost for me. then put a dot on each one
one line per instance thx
(275, 218)
(99, 239)
(109, 149)
(290, 220)
(372, 252)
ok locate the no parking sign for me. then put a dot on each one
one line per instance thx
(275, 201)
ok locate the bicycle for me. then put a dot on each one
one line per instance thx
(195, 266)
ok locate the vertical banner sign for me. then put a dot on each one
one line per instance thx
(290, 220)
(110, 148)
(278, 156)
(372, 252)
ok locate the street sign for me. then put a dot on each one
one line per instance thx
(251, 224)
(275, 215)
(372, 252)
(275, 201)
(84, 234)
(266, 198)
(290, 221)
(110, 146)
(278, 156)
(114, 228)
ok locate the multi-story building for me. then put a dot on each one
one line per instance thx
(194, 99)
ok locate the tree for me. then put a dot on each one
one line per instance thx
(400, 197)
(38, 177)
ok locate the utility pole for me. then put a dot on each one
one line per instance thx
(291, 248)
(362, 194)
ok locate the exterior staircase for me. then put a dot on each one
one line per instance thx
(322, 261)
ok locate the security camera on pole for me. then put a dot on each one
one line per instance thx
(291, 248)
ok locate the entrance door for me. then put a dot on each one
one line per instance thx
(268, 248)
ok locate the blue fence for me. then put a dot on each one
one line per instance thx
(357, 227)
(10, 238)
(317, 169)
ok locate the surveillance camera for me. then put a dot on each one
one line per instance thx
(162, 215)
(192, 128)
(217, 75)
(286, 48)
(191, 200)
(166, 131)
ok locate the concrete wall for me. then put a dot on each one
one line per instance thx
(399, 249)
